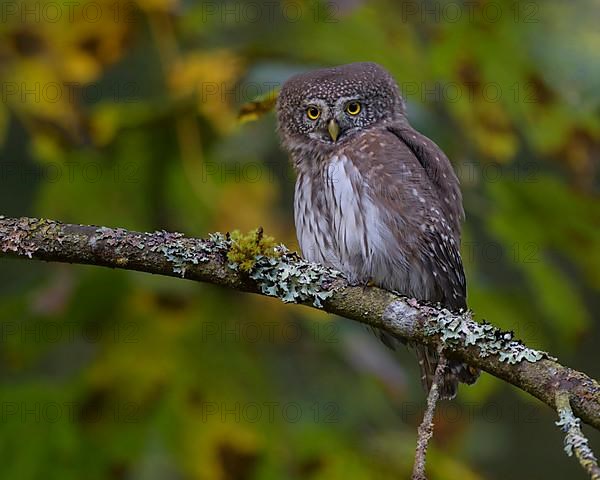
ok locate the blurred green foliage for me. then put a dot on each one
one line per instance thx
(125, 114)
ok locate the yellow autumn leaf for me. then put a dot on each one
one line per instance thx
(251, 111)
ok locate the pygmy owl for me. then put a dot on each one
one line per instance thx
(374, 198)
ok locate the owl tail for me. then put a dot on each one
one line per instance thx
(428, 359)
(455, 372)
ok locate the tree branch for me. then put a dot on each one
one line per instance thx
(575, 440)
(278, 272)
(425, 431)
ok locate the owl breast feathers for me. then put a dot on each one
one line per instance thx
(374, 198)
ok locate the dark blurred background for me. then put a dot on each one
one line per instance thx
(124, 114)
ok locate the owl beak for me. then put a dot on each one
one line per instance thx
(334, 129)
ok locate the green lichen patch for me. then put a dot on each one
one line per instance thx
(277, 271)
(16, 236)
(575, 441)
(119, 238)
(111, 236)
(571, 425)
(458, 330)
(178, 250)
(292, 279)
(245, 249)
(183, 252)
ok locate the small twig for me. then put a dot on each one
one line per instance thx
(575, 440)
(425, 431)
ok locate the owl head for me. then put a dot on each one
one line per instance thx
(323, 109)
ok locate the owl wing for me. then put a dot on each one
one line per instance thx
(417, 192)
(444, 246)
(446, 266)
(417, 198)
(437, 166)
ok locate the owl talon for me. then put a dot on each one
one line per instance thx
(368, 284)
(360, 283)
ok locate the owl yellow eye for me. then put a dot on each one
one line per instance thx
(353, 108)
(313, 113)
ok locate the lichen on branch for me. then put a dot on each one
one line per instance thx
(575, 441)
(255, 263)
(456, 329)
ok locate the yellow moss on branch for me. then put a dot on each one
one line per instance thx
(247, 247)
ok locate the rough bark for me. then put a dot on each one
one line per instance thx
(283, 274)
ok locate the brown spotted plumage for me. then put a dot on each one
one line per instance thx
(374, 198)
